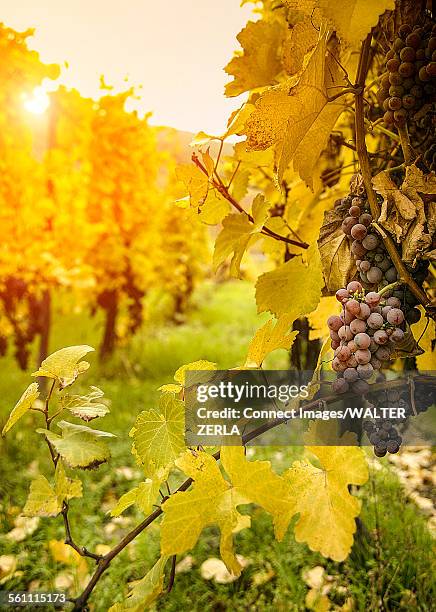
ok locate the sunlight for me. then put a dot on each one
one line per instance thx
(38, 102)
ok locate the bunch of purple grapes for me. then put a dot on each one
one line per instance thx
(408, 83)
(363, 336)
(374, 265)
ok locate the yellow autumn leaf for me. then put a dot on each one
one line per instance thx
(158, 434)
(195, 182)
(238, 232)
(427, 361)
(199, 365)
(352, 19)
(46, 500)
(211, 501)
(318, 318)
(259, 62)
(65, 365)
(22, 406)
(214, 209)
(271, 336)
(301, 39)
(322, 498)
(143, 496)
(143, 592)
(293, 288)
(296, 117)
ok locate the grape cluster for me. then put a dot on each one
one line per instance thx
(382, 434)
(408, 83)
(363, 336)
(374, 265)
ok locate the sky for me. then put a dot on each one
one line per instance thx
(175, 49)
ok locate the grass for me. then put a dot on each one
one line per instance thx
(391, 564)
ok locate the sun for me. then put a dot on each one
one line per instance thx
(38, 102)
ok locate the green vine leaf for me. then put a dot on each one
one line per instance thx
(24, 404)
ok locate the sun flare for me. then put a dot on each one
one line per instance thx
(38, 102)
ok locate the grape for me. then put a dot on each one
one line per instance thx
(345, 333)
(335, 344)
(408, 101)
(370, 242)
(431, 69)
(379, 451)
(406, 69)
(388, 117)
(362, 356)
(408, 83)
(346, 317)
(365, 311)
(347, 225)
(384, 264)
(372, 298)
(381, 337)
(383, 353)
(374, 275)
(423, 74)
(351, 375)
(365, 219)
(362, 340)
(340, 386)
(404, 30)
(357, 326)
(377, 309)
(334, 335)
(407, 54)
(358, 250)
(393, 64)
(398, 44)
(365, 371)
(338, 366)
(353, 307)
(396, 90)
(354, 287)
(341, 295)
(354, 211)
(413, 40)
(373, 347)
(375, 320)
(392, 446)
(395, 316)
(352, 362)
(394, 302)
(376, 363)
(358, 231)
(352, 346)
(360, 386)
(343, 353)
(395, 103)
(400, 116)
(334, 322)
(364, 265)
(391, 274)
(413, 316)
(416, 91)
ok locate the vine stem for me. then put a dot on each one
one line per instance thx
(365, 167)
(219, 186)
(104, 562)
(405, 144)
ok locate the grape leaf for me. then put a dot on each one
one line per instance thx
(158, 435)
(238, 232)
(214, 209)
(295, 117)
(271, 336)
(196, 183)
(256, 482)
(22, 406)
(260, 61)
(202, 364)
(293, 288)
(65, 365)
(352, 20)
(317, 318)
(322, 498)
(145, 591)
(425, 329)
(79, 446)
(212, 500)
(85, 407)
(144, 496)
(301, 39)
(334, 247)
(45, 500)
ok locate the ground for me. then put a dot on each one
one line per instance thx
(391, 566)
